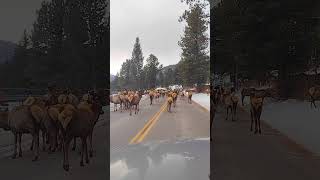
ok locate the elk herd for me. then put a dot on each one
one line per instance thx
(227, 98)
(60, 117)
(128, 99)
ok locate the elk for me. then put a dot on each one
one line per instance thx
(189, 97)
(174, 97)
(169, 102)
(256, 104)
(231, 102)
(314, 93)
(134, 100)
(26, 118)
(246, 92)
(151, 96)
(77, 122)
(116, 99)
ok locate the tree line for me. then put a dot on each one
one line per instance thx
(193, 67)
(255, 37)
(68, 45)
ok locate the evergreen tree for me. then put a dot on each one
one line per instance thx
(194, 44)
(137, 63)
(152, 68)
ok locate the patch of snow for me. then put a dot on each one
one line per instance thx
(202, 99)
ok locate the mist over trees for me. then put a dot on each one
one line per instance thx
(68, 45)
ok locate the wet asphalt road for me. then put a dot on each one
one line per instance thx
(236, 153)
(185, 121)
(49, 166)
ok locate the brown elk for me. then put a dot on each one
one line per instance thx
(231, 102)
(151, 96)
(134, 100)
(26, 118)
(174, 97)
(77, 122)
(190, 97)
(116, 99)
(256, 104)
(169, 101)
(246, 92)
(314, 93)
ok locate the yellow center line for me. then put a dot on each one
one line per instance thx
(147, 127)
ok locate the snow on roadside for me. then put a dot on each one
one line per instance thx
(294, 118)
(202, 99)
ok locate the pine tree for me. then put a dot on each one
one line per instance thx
(137, 63)
(194, 44)
(152, 69)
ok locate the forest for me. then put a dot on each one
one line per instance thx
(68, 45)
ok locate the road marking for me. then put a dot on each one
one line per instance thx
(202, 107)
(147, 127)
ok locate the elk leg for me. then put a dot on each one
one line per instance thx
(47, 138)
(90, 143)
(31, 147)
(137, 108)
(43, 140)
(251, 115)
(36, 149)
(65, 144)
(19, 141)
(54, 141)
(130, 110)
(74, 144)
(86, 150)
(15, 146)
(242, 98)
(82, 151)
(259, 121)
(255, 123)
(227, 113)
(234, 111)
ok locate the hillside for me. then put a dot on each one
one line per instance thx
(6, 51)
(173, 67)
(112, 77)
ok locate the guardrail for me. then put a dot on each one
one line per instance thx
(14, 96)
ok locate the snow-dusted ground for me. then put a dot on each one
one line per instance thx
(112, 106)
(294, 118)
(202, 99)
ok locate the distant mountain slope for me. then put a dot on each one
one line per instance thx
(173, 66)
(6, 51)
(112, 77)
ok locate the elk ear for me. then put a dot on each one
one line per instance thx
(29, 101)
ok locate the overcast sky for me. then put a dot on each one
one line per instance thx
(15, 16)
(155, 22)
